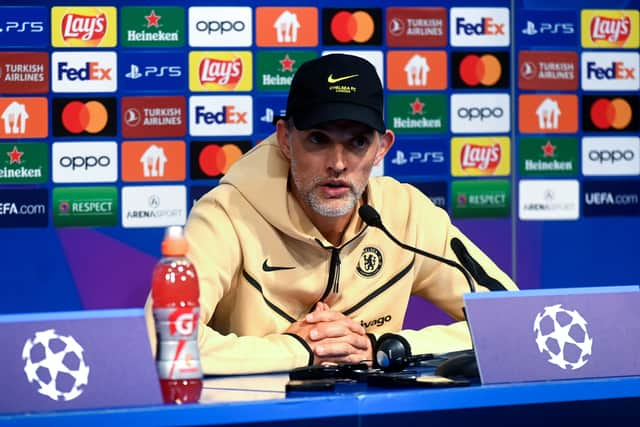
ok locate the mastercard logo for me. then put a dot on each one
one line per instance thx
(80, 117)
(352, 26)
(482, 70)
(615, 113)
(84, 116)
(212, 160)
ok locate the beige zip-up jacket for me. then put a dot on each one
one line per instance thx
(262, 265)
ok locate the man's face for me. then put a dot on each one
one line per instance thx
(331, 164)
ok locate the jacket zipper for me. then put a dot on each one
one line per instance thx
(333, 284)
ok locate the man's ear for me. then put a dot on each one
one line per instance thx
(282, 135)
(386, 141)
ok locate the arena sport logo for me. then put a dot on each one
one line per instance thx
(475, 113)
(213, 71)
(82, 27)
(74, 162)
(361, 26)
(286, 27)
(144, 71)
(548, 199)
(24, 72)
(547, 70)
(416, 70)
(24, 26)
(154, 206)
(220, 26)
(610, 29)
(220, 115)
(479, 26)
(84, 71)
(84, 116)
(479, 70)
(416, 27)
(610, 71)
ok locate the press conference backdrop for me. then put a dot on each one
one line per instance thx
(517, 117)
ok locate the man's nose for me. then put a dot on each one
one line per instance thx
(337, 158)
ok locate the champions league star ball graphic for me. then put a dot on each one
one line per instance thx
(56, 363)
(562, 334)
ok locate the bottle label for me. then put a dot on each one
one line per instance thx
(176, 323)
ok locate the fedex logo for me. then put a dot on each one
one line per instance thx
(610, 71)
(220, 115)
(73, 73)
(228, 114)
(479, 26)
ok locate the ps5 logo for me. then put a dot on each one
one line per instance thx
(269, 115)
(22, 27)
(531, 29)
(153, 71)
(417, 157)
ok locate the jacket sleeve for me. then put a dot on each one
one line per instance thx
(444, 285)
(215, 251)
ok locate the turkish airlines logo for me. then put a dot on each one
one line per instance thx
(610, 113)
(24, 72)
(548, 113)
(416, 26)
(153, 161)
(83, 26)
(547, 70)
(352, 26)
(295, 26)
(480, 70)
(411, 70)
(153, 116)
(610, 71)
(24, 118)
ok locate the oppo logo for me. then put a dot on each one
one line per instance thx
(212, 27)
(84, 162)
(611, 156)
(481, 113)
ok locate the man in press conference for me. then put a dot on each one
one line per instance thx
(290, 274)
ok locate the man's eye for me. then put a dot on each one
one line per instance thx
(316, 138)
(361, 142)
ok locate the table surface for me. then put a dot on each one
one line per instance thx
(262, 399)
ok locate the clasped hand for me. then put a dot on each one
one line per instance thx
(333, 337)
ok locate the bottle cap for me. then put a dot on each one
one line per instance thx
(174, 242)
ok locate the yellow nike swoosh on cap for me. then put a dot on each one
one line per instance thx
(332, 79)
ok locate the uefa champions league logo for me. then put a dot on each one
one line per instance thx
(56, 363)
(562, 334)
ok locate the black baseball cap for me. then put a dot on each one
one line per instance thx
(335, 87)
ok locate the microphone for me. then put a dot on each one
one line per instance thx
(392, 351)
(372, 218)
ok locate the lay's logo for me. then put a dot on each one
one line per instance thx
(482, 156)
(83, 26)
(220, 71)
(610, 28)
